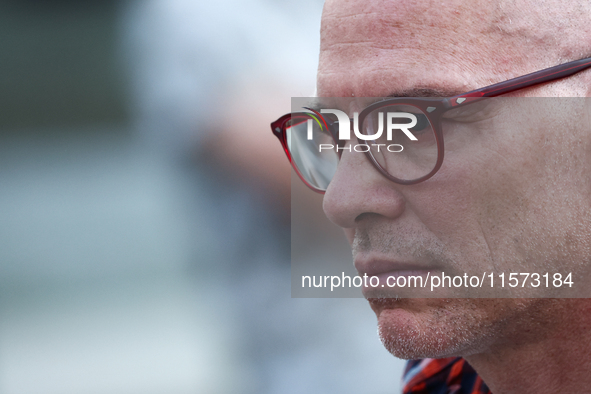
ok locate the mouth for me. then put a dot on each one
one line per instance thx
(383, 278)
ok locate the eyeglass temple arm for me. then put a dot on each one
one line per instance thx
(525, 81)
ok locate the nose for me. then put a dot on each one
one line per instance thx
(357, 188)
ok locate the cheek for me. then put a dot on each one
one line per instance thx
(475, 205)
(514, 203)
(448, 207)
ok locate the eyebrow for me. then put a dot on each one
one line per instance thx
(426, 92)
(414, 92)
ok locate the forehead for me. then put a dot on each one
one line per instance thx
(378, 48)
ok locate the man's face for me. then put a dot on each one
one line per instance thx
(512, 196)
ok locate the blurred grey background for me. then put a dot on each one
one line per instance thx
(145, 206)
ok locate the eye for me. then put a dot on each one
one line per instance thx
(474, 112)
(422, 122)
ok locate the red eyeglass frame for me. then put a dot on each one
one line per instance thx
(439, 107)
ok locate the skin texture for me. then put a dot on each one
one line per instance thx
(511, 197)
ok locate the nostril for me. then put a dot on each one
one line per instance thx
(365, 216)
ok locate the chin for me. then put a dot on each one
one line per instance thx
(431, 328)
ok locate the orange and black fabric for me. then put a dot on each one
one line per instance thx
(442, 376)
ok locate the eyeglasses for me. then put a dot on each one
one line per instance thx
(401, 137)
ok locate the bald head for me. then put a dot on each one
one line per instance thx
(376, 48)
